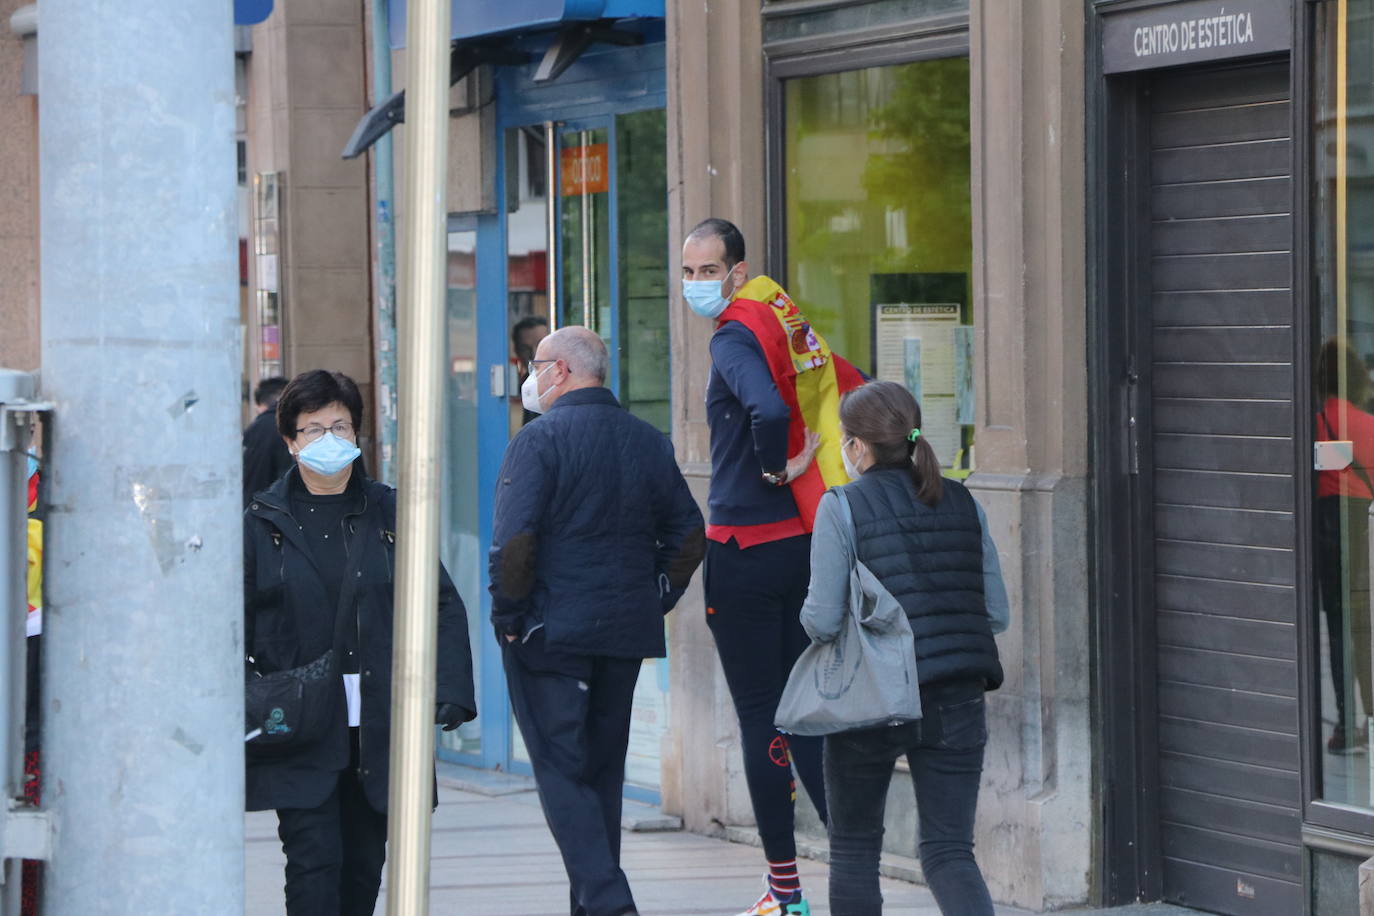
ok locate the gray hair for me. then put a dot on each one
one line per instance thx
(583, 351)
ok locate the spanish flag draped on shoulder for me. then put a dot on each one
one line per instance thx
(809, 377)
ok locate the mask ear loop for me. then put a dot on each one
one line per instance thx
(734, 287)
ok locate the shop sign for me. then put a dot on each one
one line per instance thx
(1186, 33)
(584, 170)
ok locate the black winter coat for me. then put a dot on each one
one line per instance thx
(265, 456)
(596, 534)
(287, 623)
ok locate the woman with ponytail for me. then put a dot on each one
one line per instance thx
(926, 540)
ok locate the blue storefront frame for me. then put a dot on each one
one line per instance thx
(603, 83)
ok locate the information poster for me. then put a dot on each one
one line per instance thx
(918, 346)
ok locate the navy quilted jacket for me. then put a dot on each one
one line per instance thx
(596, 534)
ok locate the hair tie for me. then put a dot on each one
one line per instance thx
(913, 435)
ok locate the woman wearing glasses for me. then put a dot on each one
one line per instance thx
(319, 557)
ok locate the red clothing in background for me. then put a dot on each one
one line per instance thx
(1341, 420)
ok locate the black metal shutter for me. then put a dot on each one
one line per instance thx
(1223, 489)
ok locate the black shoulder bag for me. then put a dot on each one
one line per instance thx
(286, 710)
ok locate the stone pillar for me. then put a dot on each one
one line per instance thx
(715, 168)
(307, 90)
(1035, 824)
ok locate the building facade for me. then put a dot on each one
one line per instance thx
(1121, 248)
(914, 174)
(1118, 246)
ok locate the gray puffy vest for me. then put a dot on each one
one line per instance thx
(931, 559)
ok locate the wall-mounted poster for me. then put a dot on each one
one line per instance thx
(920, 340)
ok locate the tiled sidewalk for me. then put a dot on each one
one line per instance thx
(493, 856)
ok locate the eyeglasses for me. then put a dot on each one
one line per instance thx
(531, 370)
(343, 429)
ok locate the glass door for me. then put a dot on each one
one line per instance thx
(460, 537)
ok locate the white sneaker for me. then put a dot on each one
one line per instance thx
(768, 905)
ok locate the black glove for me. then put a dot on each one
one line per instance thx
(451, 715)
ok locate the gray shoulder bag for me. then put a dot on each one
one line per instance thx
(866, 676)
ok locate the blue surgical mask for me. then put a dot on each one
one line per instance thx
(705, 297)
(328, 455)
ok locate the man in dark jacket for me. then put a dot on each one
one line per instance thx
(318, 574)
(596, 537)
(265, 457)
(773, 412)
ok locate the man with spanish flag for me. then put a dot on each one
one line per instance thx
(772, 405)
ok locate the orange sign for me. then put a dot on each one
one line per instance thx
(584, 170)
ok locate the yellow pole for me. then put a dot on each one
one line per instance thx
(420, 420)
(1342, 167)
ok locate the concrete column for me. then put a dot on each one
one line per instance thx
(715, 168)
(1035, 822)
(143, 677)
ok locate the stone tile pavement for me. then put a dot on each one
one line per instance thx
(492, 856)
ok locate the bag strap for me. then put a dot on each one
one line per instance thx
(847, 519)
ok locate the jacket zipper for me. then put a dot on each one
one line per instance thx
(358, 634)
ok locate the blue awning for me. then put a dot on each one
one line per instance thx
(499, 33)
(480, 20)
(251, 12)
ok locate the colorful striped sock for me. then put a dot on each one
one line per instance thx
(784, 881)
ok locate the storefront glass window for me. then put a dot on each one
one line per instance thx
(461, 546)
(642, 205)
(1343, 395)
(879, 231)
(267, 193)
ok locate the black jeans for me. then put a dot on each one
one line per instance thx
(754, 600)
(1343, 577)
(945, 752)
(335, 852)
(574, 714)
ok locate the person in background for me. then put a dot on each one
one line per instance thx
(1342, 515)
(595, 538)
(31, 881)
(926, 539)
(265, 457)
(771, 408)
(524, 340)
(301, 537)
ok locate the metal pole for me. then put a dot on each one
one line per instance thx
(142, 626)
(421, 422)
(383, 181)
(16, 394)
(13, 578)
(588, 304)
(15, 388)
(551, 154)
